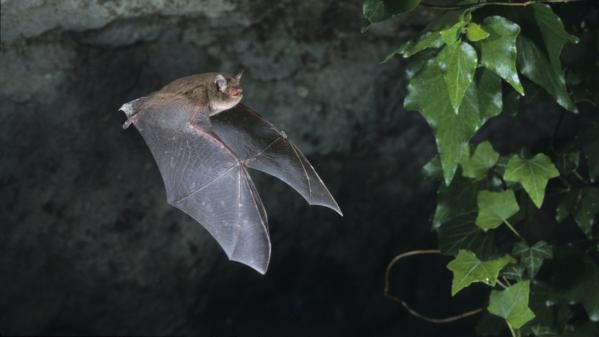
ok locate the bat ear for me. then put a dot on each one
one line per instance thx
(221, 82)
(238, 76)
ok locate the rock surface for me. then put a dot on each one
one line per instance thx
(88, 243)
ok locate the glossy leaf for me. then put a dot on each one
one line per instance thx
(495, 208)
(512, 304)
(451, 35)
(380, 10)
(452, 131)
(462, 233)
(477, 165)
(578, 280)
(489, 95)
(498, 52)
(532, 257)
(535, 65)
(554, 34)
(583, 205)
(533, 174)
(458, 63)
(475, 32)
(411, 47)
(468, 269)
(457, 199)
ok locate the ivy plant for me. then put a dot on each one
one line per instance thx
(521, 221)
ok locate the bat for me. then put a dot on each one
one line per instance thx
(203, 141)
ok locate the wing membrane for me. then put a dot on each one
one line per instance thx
(263, 147)
(206, 180)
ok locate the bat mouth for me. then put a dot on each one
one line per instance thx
(236, 93)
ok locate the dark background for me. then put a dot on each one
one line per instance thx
(88, 244)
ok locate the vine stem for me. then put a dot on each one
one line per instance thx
(509, 225)
(511, 329)
(498, 3)
(406, 305)
(501, 284)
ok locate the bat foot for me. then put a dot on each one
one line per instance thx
(130, 121)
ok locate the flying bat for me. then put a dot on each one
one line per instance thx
(203, 141)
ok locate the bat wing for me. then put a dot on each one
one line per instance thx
(263, 147)
(204, 178)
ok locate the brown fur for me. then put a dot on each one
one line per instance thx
(202, 90)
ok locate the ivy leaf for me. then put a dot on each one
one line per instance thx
(450, 35)
(458, 62)
(494, 208)
(512, 304)
(462, 233)
(457, 199)
(553, 33)
(474, 32)
(480, 162)
(432, 169)
(535, 65)
(499, 50)
(489, 95)
(532, 257)
(468, 269)
(428, 95)
(411, 47)
(532, 174)
(583, 204)
(513, 272)
(380, 10)
(577, 281)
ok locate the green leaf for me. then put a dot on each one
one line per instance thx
(489, 95)
(583, 204)
(432, 169)
(457, 199)
(458, 62)
(532, 257)
(498, 52)
(513, 272)
(451, 35)
(532, 174)
(411, 47)
(587, 211)
(462, 233)
(535, 65)
(553, 33)
(428, 95)
(480, 162)
(380, 10)
(512, 304)
(578, 277)
(468, 269)
(495, 208)
(474, 32)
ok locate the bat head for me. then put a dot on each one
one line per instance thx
(229, 92)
